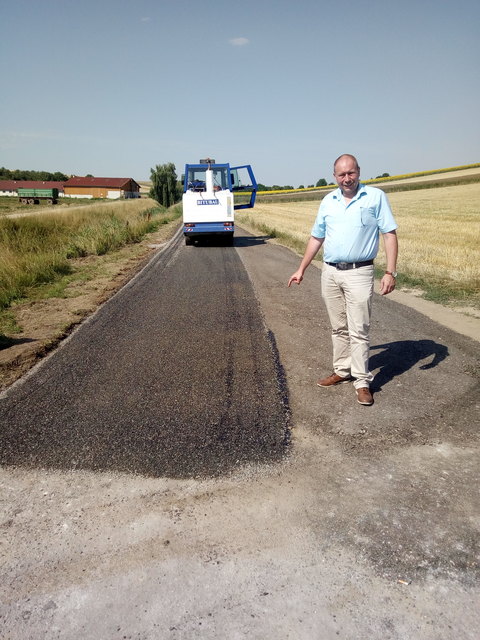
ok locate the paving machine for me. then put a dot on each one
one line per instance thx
(209, 201)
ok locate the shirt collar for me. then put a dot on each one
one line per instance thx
(338, 195)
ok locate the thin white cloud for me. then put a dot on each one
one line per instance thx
(239, 42)
(145, 19)
(15, 139)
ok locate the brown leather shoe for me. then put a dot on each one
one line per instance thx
(333, 380)
(364, 396)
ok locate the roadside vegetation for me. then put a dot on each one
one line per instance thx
(438, 236)
(39, 250)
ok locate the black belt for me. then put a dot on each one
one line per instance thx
(344, 266)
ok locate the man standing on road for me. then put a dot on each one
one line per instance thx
(348, 224)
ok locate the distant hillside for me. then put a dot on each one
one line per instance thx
(406, 182)
(144, 186)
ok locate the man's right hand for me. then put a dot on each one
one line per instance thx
(311, 251)
(297, 277)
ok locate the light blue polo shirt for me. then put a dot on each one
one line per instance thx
(351, 231)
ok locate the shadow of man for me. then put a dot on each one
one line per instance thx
(398, 357)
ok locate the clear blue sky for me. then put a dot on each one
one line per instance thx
(114, 87)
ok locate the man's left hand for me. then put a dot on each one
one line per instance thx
(387, 284)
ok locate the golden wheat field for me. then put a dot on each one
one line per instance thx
(438, 231)
(461, 173)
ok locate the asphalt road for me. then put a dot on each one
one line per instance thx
(176, 376)
(173, 471)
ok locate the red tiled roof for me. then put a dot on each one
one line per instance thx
(13, 185)
(118, 183)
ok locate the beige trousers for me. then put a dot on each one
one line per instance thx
(348, 298)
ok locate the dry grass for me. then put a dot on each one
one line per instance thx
(38, 247)
(293, 218)
(119, 207)
(11, 207)
(439, 231)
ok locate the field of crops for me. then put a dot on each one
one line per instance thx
(438, 237)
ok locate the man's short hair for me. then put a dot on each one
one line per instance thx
(346, 155)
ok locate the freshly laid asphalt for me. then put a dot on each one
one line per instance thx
(175, 376)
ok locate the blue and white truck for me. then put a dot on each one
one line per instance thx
(208, 199)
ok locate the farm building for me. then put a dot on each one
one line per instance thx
(89, 187)
(9, 187)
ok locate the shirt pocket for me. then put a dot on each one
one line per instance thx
(368, 218)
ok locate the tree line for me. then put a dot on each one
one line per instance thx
(276, 187)
(26, 174)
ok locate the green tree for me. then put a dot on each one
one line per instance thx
(26, 174)
(321, 183)
(164, 184)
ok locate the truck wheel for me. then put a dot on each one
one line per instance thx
(49, 201)
(31, 201)
(189, 241)
(24, 201)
